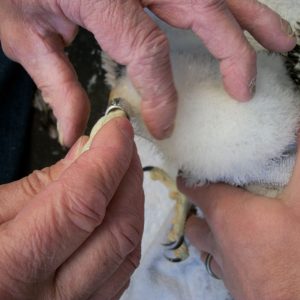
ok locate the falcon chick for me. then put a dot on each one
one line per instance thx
(217, 139)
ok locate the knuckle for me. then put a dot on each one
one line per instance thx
(131, 235)
(90, 185)
(87, 12)
(209, 5)
(150, 45)
(243, 55)
(258, 8)
(150, 69)
(85, 209)
(133, 262)
(36, 181)
(242, 52)
(106, 173)
(127, 236)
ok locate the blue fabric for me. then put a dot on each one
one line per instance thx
(16, 93)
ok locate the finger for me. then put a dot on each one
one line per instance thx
(268, 28)
(215, 200)
(108, 247)
(200, 235)
(24, 190)
(63, 92)
(120, 293)
(44, 59)
(115, 286)
(216, 26)
(63, 216)
(130, 37)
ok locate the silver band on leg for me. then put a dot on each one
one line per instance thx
(207, 263)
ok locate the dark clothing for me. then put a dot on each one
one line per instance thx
(16, 94)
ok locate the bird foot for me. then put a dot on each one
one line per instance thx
(175, 243)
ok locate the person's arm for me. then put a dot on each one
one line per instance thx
(35, 32)
(254, 240)
(73, 231)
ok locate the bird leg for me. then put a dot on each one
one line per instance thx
(175, 242)
(115, 109)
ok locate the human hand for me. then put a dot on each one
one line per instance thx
(254, 240)
(35, 32)
(73, 231)
(220, 24)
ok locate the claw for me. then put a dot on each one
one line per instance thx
(179, 254)
(173, 260)
(148, 168)
(168, 244)
(174, 244)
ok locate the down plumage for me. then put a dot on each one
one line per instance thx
(217, 138)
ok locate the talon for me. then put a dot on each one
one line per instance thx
(168, 244)
(173, 260)
(179, 254)
(148, 168)
(175, 244)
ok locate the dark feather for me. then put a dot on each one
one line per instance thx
(293, 60)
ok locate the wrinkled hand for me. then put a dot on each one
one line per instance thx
(73, 231)
(35, 32)
(254, 240)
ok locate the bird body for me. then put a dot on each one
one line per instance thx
(217, 138)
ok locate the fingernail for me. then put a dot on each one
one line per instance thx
(252, 86)
(60, 134)
(79, 149)
(121, 122)
(76, 150)
(287, 28)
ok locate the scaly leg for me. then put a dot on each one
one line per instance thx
(176, 241)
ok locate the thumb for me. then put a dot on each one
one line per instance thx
(60, 218)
